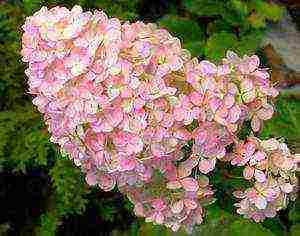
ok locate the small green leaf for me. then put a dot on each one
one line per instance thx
(218, 44)
(188, 31)
(249, 42)
(247, 228)
(275, 225)
(204, 7)
(295, 230)
(196, 48)
(185, 29)
(263, 11)
(294, 213)
(32, 5)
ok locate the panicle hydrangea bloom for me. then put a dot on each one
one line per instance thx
(120, 99)
(231, 92)
(271, 166)
(170, 199)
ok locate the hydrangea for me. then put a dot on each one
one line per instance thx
(272, 167)
(123, 99)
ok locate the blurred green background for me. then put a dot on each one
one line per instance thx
(42, 193)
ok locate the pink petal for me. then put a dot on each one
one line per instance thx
(115, 117)
(106, 182)
(200, 136)
(185, 167)
(229, 100)
(206, 165)
(260, 176)
(249, 96)
(232, 56)
(214, 104)
(158, 204)
(138, 209)
(190, 184)
(126, 164)
(272, 194)
(174, 185)
(99, 158)
(266, 112)
(182, 134)
(287, 188)
(175, 227)
(234, 114)
(198, 216)
(91, 178)
(223, 70)
(270, 144)
(175, 63)
(179, 114)
(190, 204)
(248, 172)
(259, 156)
(196, 98)
(263, 74)
(159, 218)
(255, 123)
(247, 85)
(207, 68)
(239, 194)
(260, 202)
(177, 207)
(222, 112)
(253, 63)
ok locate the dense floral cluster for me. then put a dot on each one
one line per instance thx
(121, 99)
(273, 167)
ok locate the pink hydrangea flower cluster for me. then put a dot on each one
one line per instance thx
(270, 165)
(123, 99)
(170, 198)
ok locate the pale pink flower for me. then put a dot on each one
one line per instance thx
(125, 102)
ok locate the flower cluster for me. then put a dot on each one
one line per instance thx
(231, 92)
(170, 198)
(271, 166)
(120, 99)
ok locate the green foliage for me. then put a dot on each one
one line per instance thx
(31, 6)
(215, 221)
(236, 12)
(187, 30)
(23, 144)
(11, 76)
(108, 208)
(69, 187)
(107, 212)
(286, 121)
(10, 19)
(232, 24)
(123, 9)
(294, 213)
(295, 230)
(205, 7)
(4, 229)
(218, 43)
(69, 196)
(275, 225)
(156, 230)
(49, 224)
(246, 228)
(263, 11)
